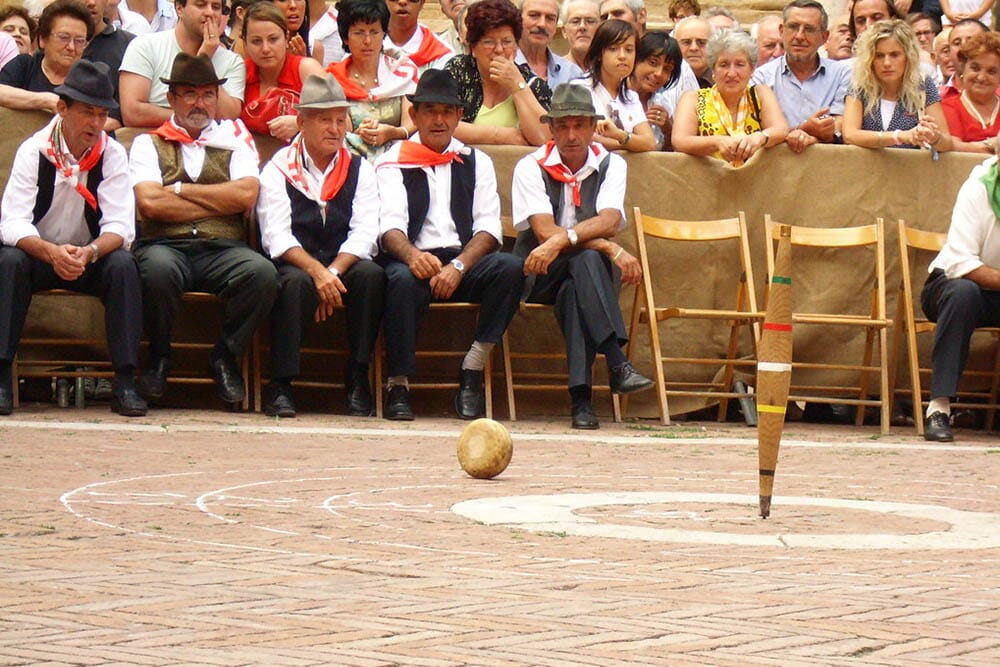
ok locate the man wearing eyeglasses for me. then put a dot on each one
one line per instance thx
(810, 88)
(194, 179)
(27, 82)
(580, 19)
(540, 18)
(149, 58)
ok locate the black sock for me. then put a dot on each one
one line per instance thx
(125, 378)
(612, 352)
(580, 394)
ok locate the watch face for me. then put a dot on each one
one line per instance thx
(458, 265)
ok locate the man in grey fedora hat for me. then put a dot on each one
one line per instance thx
(195, 181)
(440, 229)
(568, 203)
(318, 216)
(68, 220)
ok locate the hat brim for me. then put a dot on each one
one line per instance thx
(80, 96)
(435, 99)
(172, 82)
(548, 117)
(332, 104)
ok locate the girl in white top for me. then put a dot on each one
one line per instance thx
(610, 61)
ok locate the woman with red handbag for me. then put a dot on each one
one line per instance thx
(374, 80)
(274, 76)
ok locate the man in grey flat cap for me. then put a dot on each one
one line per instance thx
(68, 221)
(318, 216)
(568, 204)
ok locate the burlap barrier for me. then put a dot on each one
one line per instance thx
(826, 186)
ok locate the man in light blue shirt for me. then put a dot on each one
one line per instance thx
(810, 89)
(540, 18)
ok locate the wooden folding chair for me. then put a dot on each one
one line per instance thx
(540, 374)
(911, 242)
(742, 314)
(874, 323)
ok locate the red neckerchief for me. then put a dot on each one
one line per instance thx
(561, 172)
(335, 179)
(170, 132)
(430, 49)
(415, 154)
(351, 89)
(71, 172)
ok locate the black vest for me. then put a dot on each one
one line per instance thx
(47, 185)
(526, 240)
(322, 238)
(463, 190)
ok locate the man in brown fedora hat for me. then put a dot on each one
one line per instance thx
(68, 220)
(148, 58)
(195, 179)
(318, 215)
(568, 203)
(440, 228)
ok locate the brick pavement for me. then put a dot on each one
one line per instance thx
(224, 539)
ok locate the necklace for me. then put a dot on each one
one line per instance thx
(362, 79)
(971, 108)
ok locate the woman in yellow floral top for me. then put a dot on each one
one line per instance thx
(731, 120)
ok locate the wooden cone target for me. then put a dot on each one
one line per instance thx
(774, 368)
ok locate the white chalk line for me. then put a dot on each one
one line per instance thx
(662, 438)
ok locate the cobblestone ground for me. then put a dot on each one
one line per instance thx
(224, 539)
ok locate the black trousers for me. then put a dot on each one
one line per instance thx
(297, 302)
(114, 279)
(958, 306)
(586, 306)
(245, 279)
(495, 282)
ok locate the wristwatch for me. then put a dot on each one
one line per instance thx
(521, 85)
(177, 187)
(573, 237)
(95, 252)
(459, 266)
(334, 270)
(838, 137)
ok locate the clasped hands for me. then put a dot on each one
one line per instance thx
(444, 278)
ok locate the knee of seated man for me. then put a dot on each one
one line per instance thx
(961, 291)
(14, 257)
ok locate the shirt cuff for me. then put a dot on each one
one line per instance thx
(358, 248)
(282, 245)
(124, 230)
(11, 237)
(963, 268)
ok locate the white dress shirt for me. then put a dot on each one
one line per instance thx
(974, 235)
(145, 163)
(274, 208)
(530, 197)
(64, 222)
(439, 230)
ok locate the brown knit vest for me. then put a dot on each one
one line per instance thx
(215, 170)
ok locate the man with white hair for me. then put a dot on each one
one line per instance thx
(767, 32)
(540, 18)
(630, 11)
(452, 35)
(840, 43)
(580, 19)
(721, 18)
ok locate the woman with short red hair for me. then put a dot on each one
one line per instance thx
(974, 116)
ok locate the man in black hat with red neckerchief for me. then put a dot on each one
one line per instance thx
(68, 220)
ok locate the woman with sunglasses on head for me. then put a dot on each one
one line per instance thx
(375, 81)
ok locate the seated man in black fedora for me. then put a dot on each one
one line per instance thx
(195, 179)
(68, 220)
(440, 228)
(318, 215)
(568, 203)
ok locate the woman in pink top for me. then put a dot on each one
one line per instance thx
(274, 76)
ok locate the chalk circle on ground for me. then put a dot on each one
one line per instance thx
(558, 513)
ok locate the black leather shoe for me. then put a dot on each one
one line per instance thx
(359, 391)
(397, 407)
(154, 377)
(937, 428)
(127, 402)
(584, 417)
(228, 380)
(470, 401)
(279, 401)
(6, 398)
(627, 380)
